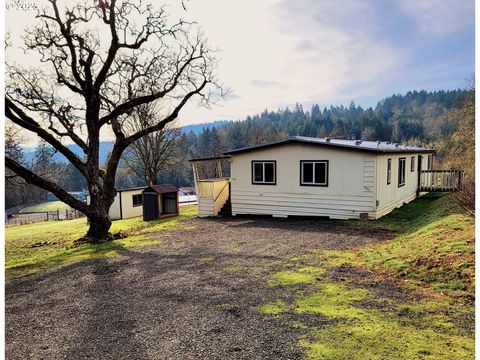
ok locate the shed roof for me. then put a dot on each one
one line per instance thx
(161, 189)
(359, 145)
(132, 189)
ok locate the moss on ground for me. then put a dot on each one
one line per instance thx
(274, 308)
(38, 246)
(306, 275)
(332, 301)
(383, 337)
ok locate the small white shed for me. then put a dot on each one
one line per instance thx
(304, 176)
(127, 203)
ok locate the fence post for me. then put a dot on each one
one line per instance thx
(58, 214)
(47, 216)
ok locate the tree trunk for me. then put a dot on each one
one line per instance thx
(99, 226)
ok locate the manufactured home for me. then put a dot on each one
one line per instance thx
(304, 176)
(127, 203)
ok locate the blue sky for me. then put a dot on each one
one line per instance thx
(274, 53)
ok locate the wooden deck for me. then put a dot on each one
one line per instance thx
(440, 180)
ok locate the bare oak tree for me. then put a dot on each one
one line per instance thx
(156, 152)
(98, 62)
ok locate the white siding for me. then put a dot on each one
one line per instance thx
(114, 211)
(392, 196)
(128, 210)
(350, 190)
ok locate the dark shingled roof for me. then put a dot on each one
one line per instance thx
(359, 145)
(161, 189)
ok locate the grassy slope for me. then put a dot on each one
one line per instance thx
(434, 252)
(46, 206)
(22, 258)
(436, 248)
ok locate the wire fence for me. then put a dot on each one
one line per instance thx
(37, 216)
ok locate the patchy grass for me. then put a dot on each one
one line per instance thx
(434, 253)
(333, 301)
(306, 275)
(33, 247)
(46, 206)
(274, 308)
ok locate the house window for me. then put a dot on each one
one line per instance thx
(314, 173)
(264, 172)
(137, 200)
(412, 164)
(429, 162)
(389, 171)
(401, 171)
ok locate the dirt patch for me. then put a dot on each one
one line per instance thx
(382, 287)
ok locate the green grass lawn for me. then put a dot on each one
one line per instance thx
(22, 257)
(433, 256)
(46, 206)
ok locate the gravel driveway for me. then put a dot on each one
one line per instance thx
(194, 296)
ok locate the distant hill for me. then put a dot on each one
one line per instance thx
(198, 128)
(107, 146)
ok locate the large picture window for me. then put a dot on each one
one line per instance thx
(314, 173)
(264, 172)
(389, 171)
(137, 200)
(401, 171)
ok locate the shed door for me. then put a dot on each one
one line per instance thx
(169, 203)
(150, 207)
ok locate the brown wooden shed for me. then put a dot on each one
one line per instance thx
(160, 201)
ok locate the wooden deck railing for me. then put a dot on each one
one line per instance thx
(440, 180)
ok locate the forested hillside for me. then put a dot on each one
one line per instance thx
(415, 117)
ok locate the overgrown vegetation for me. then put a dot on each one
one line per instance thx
(425, 308)
(29, 248)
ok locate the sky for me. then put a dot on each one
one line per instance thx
(275, 53)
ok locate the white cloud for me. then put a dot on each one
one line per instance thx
(440, 17)
(275, 53)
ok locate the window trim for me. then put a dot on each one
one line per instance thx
(274, 172)
(327, 172)
(412, 164)
(404, 171)
(141, 200)
(429, 162)
(389, 171)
